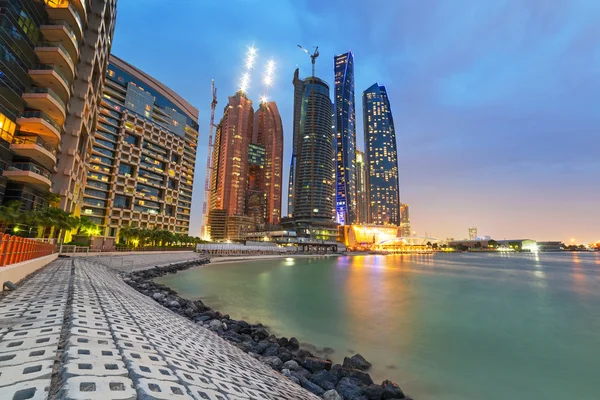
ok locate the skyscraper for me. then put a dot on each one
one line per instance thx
(472, 233)
(361, 189)
(268, 132)
(141, 167)
(345, 139)
(405, 228)
(54, 53)
(382, 157)
(311, 197)
(230, 174)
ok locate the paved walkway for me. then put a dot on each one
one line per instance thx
(76, 331)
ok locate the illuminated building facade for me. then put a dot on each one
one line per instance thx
(311, 190)
(143, 153)
(381, 158)
(345, 122)
(472, 233)
(405, 220)
(361, 188)
(268, 132)
(51, 85)
(231, 168)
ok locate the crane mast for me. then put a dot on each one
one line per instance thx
(209, 170)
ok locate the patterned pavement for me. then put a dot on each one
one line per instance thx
(76, 331)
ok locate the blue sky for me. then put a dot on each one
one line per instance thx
(496, 103)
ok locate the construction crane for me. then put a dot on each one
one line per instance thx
(313, 57)
(209, 170)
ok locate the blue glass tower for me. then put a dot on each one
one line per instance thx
(345, 122)
(383, 195)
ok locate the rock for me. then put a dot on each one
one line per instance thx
(234, 327)
(301, 373)
(245, 347)
(291, 365)
(189, 312)
(331, 395)
(287, 373)
(215, 324)
(282, 342)
(260, 333)
(158, 296)
(293, 344)
(284, 355)
(324, 379)
(257, 356)
(302, 354)
(295, 380)
(359, 362)
(173, 304)
(315, 364)
(358, 374)
(272, 350)
(349, 389)
(201, 318)
(373, 392)
(311, 387)
(391, 390)
(261, 347)
(273, 362)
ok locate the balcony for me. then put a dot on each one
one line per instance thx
(81, 8)
(41, 124)
(55, 53)
(66, 12)
(46, 100)
(61, 32)
(35, 148)
(51, 77)
(28, 173)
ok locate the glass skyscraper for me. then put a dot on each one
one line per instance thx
(345, 122)
(311, 197)
(381, 158)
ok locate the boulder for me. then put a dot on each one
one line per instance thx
(295, 380)
(284, 355)
(273, 362)
(349, 389)
(272, 350)
(358, 374)
(373, 392)
(261, 347)
(291, 365)
(287, 373)
(391, 390)
(324, 379)
(173, 304)
(311, 387)
(283, 341)
(293, 344)
(158, 296)
(215, 325)
(301, 373)
(260, 333)
(357, 361)
(331, 395)
(315, 364)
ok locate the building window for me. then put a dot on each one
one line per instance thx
(131, 139)
(7, 128)
(125, 169)
(122, 201)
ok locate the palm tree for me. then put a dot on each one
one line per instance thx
(10, 214)
(85, 223)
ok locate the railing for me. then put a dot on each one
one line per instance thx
(15, 249)
(69, 29)
(50, 67)
(37, 90)
(56, 44)
(29, 167)
(71, 249)
(42, 115)
(34, 140)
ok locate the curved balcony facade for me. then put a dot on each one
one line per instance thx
(46, 100)
(40, 123)
(55, 53)
(28, 173)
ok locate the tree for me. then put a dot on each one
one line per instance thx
(85, 224)
(10, 214)
(434, 246)
(493, 244)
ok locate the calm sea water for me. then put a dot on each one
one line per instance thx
(469, 326)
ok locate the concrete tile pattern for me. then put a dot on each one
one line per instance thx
(76, 331)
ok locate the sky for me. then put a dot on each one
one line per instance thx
(496, 103)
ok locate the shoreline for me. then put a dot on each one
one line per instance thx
(320, 376)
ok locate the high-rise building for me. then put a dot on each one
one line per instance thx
(405, 221)
(382, 157)
(268, 132)
(231, 168)
(361, 189)
(54, 54)
(345, 118)
(311, 196)
(472, 233)
(143, 153)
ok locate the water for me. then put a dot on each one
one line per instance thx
(449, 326)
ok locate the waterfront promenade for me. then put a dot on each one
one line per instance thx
(75, 330)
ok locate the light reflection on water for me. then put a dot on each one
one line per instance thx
(451, 327)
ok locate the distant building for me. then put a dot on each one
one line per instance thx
(382, 157)
(551, 246)
(311, 197)
(345, 118)
(405, 220)
(361, 188)
(472, 233)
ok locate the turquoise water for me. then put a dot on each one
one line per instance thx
(445, 326)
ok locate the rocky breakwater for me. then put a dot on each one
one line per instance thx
(346, 381)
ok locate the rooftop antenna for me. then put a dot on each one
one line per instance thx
(313, 57)
(204, 234)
